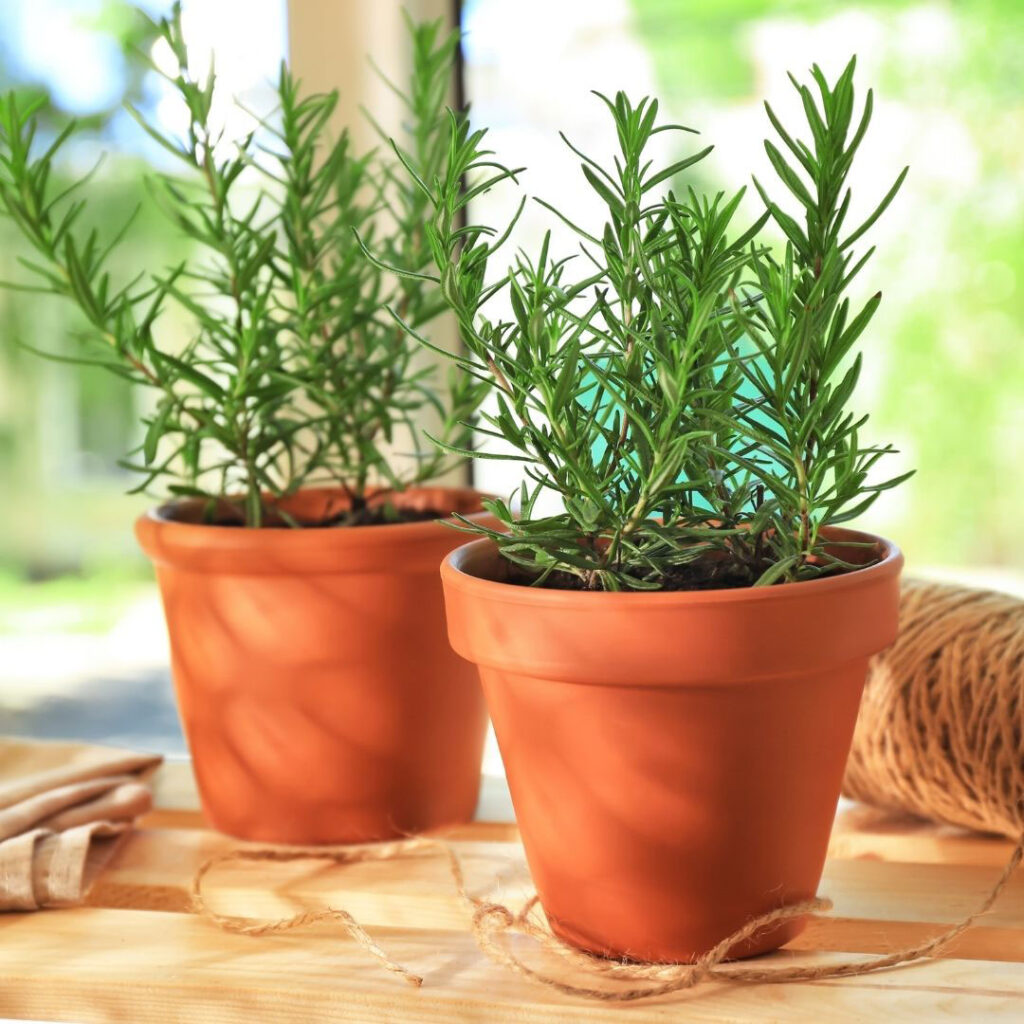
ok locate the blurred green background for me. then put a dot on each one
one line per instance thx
(66, 556)
(945, 374)
(83, 649)
(68, 560)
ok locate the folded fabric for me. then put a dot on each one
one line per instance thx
(63, 809)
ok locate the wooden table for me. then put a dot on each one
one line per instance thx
(136, 954)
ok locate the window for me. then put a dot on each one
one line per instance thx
(82, 643)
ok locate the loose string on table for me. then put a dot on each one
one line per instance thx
(491, 922)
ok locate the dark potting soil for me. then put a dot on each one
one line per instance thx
(382, 515)
(703, 574)
(376, 515)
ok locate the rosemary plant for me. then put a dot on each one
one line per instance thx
(293, 373)
(685, 393)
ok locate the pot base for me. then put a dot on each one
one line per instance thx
(302, 833)
(764, 942)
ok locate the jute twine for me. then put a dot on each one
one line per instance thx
(491, 923)
(941, 726)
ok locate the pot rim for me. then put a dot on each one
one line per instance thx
(455, 575)
(313, 550)
(468, 495)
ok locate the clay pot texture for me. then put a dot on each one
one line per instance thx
(316, 687)
(674, 758)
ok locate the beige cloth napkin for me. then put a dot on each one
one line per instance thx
(63, 809)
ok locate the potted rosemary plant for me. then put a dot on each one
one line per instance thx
(673, 660)
(297, 557)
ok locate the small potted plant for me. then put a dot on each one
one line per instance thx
(297, 559)
(673, 659)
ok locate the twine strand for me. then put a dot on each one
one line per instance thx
(339, 855)
(491, 922)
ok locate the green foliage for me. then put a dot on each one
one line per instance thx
(293, 372)
(685, 395)
(944, 372)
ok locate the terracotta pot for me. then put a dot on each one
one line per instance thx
(674, 758)
(316, 687)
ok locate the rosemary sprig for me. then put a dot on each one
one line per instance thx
(681, 390)
(293, 372)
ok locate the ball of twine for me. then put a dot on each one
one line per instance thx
(941, 727)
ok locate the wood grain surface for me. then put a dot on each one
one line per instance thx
(137, 954)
